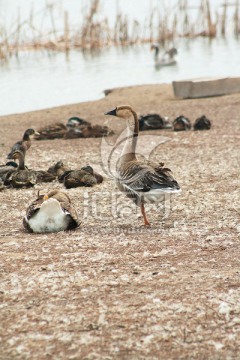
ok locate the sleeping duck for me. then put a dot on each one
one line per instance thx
(10, 166)
(86, 176)
(88, 131)
(50, 132)
(75, 128)
(50, 213)
(24, 144)
(75, 121)
(44, 176)
(58, 169)
(21, 177)
(181, 123)
(153, 122)
(202, 123)
(2, 186)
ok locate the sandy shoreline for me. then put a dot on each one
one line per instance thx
(112, 289)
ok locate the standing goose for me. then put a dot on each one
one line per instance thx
(24, 144)
(49, 213)
(143, 182)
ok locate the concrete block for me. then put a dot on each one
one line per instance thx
(197, 88)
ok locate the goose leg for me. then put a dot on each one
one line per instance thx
(146, 222)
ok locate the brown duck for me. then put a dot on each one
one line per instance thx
(24, 144)
(21, 177)
(86, 176)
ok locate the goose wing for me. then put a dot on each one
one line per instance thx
(32, 209)
(139, 177)
(72, 213)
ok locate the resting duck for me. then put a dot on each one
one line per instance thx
(58, 169)
(83, 177)
(10, 166)
(74, 129)
(44, 176)
(21, 177)
(24, 144)
(75, 121)
(49, 213)
(181, 123)
(152, 122)
(143, 182)
(167, 59)
(55, 131)
(2, 186)
(88, 131)
(202, 123)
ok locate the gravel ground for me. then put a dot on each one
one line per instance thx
(114, 289)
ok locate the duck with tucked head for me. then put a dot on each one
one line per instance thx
(143, 182)
(181, 123)
(24, 144)
(202, 123)
(10, 166)
(86, 176)
(52, 212)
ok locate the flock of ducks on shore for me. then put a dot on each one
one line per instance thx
(181, 123)
(74, 128)
(143, 182)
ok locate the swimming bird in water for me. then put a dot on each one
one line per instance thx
(143, 182)
(167, 59)
(52, 212)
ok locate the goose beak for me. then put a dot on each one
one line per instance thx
(45, 197)
(36, 133)
(112, 112)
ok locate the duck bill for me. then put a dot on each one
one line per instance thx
(112, 112)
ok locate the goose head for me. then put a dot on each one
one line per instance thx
(123, 111)
(58, 195)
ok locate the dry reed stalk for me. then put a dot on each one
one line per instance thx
(211, 26)
(164, 27)
(66, 32)
(236, 19)
(223, 19)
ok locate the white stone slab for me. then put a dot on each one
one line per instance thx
(197, 88)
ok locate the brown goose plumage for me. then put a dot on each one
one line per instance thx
(143, 182)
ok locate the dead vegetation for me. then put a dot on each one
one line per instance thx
(161, 26)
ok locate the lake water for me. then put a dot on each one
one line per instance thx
(39, 80)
